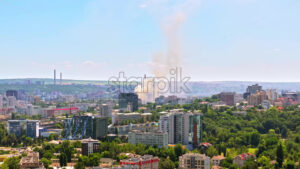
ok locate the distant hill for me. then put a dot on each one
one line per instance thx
(197, 88)
(50, 81)
(210, 88)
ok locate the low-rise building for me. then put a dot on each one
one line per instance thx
(120, 117)
(242, 158)
(31, 161)
(90, 146)
(106, 162)
(82, 127)
(159, 139)
(216, 160)
(194, 161)
(125, 129)
(140, 162)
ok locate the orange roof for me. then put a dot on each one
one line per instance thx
(216, 167)
(220, 157)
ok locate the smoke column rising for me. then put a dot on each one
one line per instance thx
(171, 15)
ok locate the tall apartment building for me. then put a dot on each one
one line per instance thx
(194, 161)
(164, 123)
(90, 146)
(80, 127)
(227, 98)
(184, 128)
(158, 139)
(258, 98)
(105, 110)
(140, 162)
(252, 90)
(195, 129)
(100, 127)
(128, 102)
(30, 128)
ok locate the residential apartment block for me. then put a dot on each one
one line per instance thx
(140, 162)
(159, 139)
(194, 161)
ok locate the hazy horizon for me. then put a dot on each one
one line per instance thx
(205, 81)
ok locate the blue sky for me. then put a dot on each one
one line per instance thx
(253, 40)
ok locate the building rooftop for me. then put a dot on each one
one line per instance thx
(141, 132)
(138, 158)
(23, 120)
(203, 156)
(31, 159)
(245, 156)
(128, 114)
(89, 140)
(220, 157)
(54, 142)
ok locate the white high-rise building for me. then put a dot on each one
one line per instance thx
(182, 127)
(163, 123)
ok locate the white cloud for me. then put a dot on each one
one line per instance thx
(89, 63)
(143, 6)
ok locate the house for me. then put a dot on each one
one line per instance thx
(216, 160)
(242, 158)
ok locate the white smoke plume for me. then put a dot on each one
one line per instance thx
(171, 15)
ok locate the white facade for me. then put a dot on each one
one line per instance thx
(163, 123)
(177, 126)
(158, 139)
